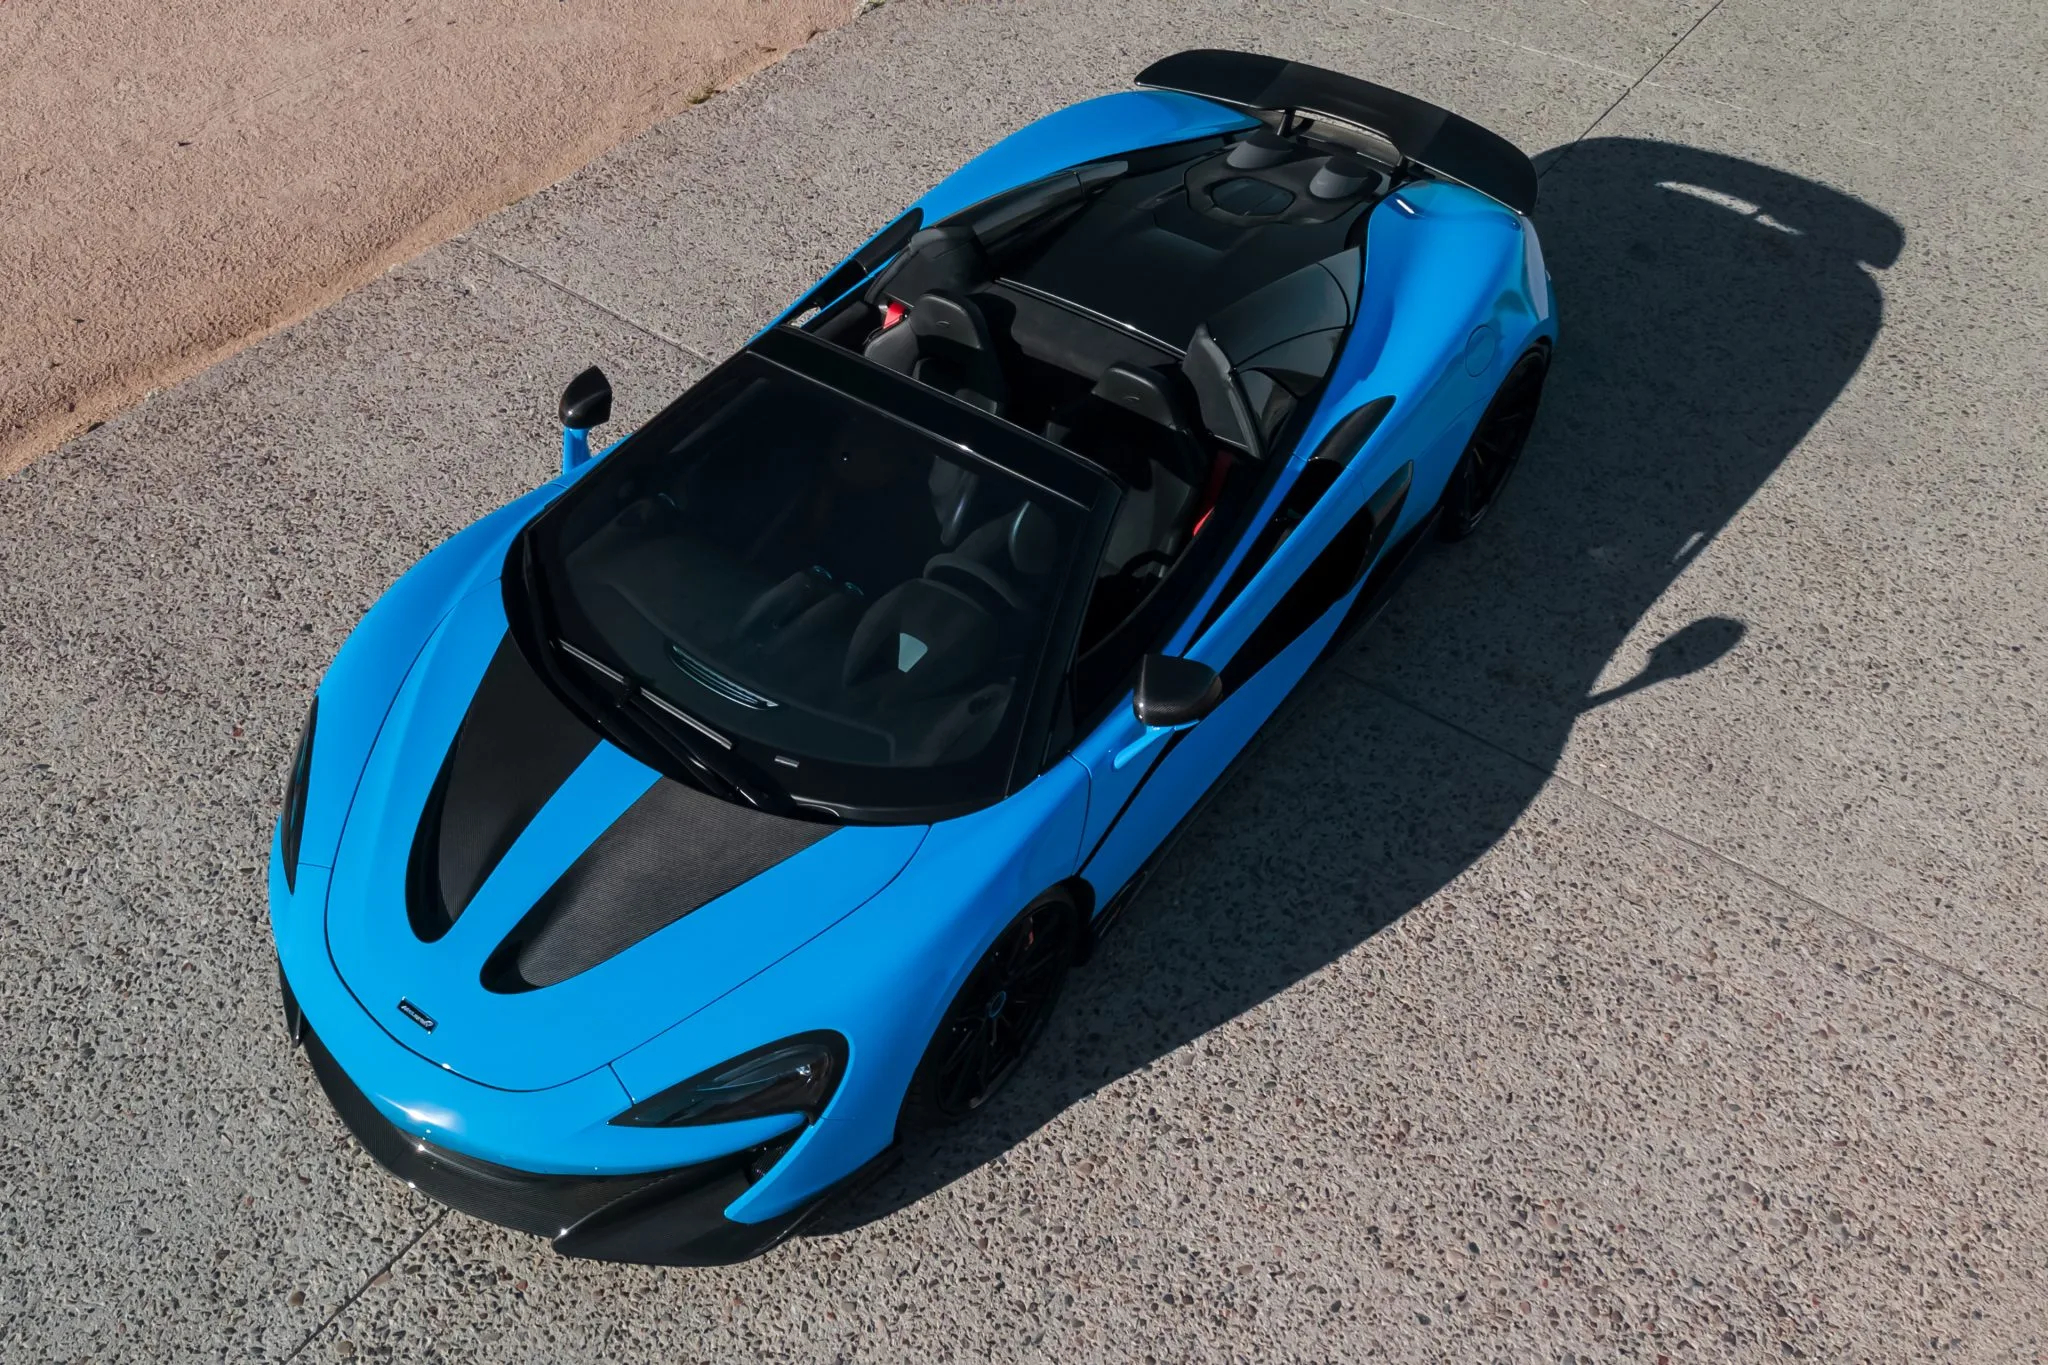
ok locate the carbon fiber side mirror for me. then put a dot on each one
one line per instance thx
(1174, 692)
(587, 402)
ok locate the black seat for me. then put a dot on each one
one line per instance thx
(1133, 414)
(1135, 423)
(1007, 562)
(957, 495)
(921, 640)
(946, 343)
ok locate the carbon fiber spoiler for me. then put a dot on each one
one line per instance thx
(1433, 138)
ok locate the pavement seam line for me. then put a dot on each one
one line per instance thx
(1502, 42)
(1818, 906)
(1691, 29)
(439, 1217)
(643, 328)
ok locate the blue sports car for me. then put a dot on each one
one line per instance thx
(664, 847)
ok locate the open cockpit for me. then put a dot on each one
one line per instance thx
(1163, 315)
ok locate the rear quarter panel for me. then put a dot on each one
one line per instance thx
(1445, 311)
(1087, 131)
(1452, 271)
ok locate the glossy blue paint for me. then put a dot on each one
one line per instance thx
(565, 1130)
(1442, 264)
(870, 931)
(882, 977)
(1088, 131)
(513, 1041)
(377, 655)
(1174, 782)
(575, 449)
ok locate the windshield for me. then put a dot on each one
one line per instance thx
(833, 591)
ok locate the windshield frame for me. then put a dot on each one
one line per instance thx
(542, 615)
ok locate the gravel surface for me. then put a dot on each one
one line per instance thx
(179, 179)
(1630, 950)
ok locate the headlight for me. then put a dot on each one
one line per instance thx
(794, 1076)
(292, 822)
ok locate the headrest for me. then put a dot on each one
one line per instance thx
(953, 488)
(1145, 393)
(927, 636)
(1034, 540)
(947, 315)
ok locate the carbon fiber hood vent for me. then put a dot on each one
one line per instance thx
(616, 918)
(517, 745)
(673, 851)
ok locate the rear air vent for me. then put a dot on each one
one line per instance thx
(1261, 149)
(1343, 176)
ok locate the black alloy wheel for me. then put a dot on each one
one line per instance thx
(1495, 448)
(996, 1017)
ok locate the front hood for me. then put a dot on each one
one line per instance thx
(540, 902)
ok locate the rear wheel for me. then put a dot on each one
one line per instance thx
(1495, 448)
(996, 1017)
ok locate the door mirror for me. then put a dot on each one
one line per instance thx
(587, 402)
(1175, 692)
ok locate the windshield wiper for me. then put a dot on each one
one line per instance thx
(706, 752)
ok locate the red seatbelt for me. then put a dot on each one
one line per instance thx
(1219, 472)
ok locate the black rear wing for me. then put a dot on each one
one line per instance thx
(1433, 138)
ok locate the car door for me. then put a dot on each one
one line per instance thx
(1277, 609)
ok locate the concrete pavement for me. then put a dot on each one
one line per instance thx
(1631, 949)
(180, 180)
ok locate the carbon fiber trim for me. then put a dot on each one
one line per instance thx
(673, 850)
(672, 1217)
(516, 747)
(1434, 137)
(540, 1204)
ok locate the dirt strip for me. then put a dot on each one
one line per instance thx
(178, 180)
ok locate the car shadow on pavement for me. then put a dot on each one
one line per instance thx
(1712, 310)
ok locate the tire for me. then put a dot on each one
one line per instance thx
(998, 1014)
(1495, 448)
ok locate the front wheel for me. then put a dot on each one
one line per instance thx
(1495, 448)
(995, 1018)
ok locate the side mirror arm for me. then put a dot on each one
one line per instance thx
(575, 449)
(1148, 737)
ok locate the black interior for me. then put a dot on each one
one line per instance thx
(824, 581)
(945, 342)
(1162, 316)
